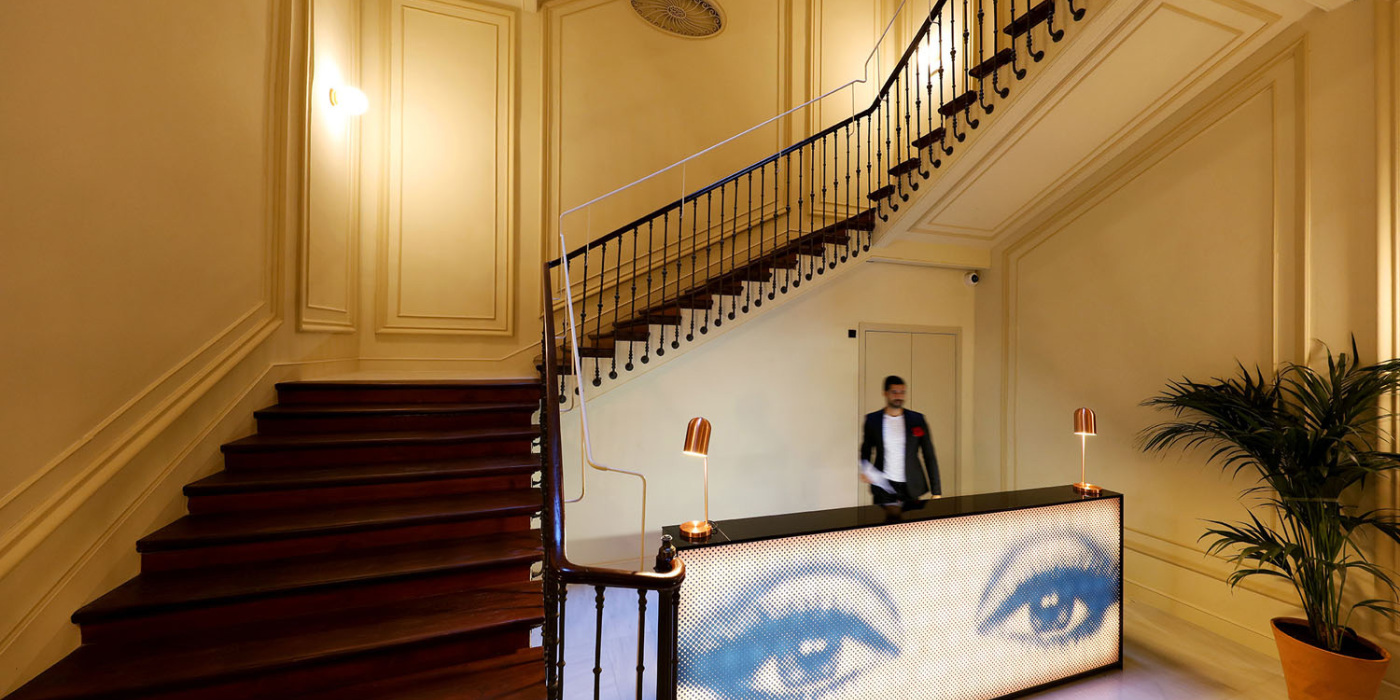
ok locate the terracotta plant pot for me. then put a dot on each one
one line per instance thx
(1313, 673)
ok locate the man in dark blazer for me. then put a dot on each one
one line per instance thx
(893, 440)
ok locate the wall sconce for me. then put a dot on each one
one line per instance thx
(697, 444)
(349, 101)
(1084, 426)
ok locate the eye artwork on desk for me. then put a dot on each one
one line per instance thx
(975, 607)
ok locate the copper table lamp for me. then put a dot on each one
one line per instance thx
(697, 444)
(1084, 426)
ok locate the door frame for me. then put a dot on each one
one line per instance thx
(962, 408)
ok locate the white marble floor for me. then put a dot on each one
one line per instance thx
(1165, 658)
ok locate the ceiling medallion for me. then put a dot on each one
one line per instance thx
(688, 18)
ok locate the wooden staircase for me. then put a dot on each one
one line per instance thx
(372, 540)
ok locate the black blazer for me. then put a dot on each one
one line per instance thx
(872, 448)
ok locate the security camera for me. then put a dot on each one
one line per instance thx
(972, 278)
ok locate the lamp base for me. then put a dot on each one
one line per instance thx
(697, 530)
(1086, 489)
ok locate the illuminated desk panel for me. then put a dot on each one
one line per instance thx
(967, 598)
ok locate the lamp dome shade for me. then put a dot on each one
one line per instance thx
(697, 437)
(1084, 423)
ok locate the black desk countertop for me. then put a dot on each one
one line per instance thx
(792, 524)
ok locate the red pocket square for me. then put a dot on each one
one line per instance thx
(918, 432)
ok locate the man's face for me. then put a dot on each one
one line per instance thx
(894, 396)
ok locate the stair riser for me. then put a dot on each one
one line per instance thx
(307, 678)
(222, 555)
(369, 493)
(340, 456)
(406, 423)
(408, 395)
(183, 623)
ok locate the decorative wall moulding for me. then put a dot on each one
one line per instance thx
(692, 19)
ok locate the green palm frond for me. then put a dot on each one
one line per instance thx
(1311, 438)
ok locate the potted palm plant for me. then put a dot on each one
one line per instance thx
(1313, 440)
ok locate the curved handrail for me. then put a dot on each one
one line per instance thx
(552, 478)
(881, 94)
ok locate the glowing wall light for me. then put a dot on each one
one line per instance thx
(960, 607)
(349, 101)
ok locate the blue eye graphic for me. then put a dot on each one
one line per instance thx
(1050, 591)
(794, 636)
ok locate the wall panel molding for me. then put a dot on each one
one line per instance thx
(1281, 83)
(330, 237)
(40, 527)
(450, 268)
(556, 20)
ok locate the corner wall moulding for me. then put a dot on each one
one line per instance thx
(694, 19)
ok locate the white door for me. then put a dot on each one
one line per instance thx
(928, 363)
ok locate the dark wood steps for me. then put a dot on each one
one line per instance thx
(400, 392)
(882, 193)
(262, 451)
(301, 419)
(932, 137)
(518, 676)
(219, 529)
(959, 103)
(304, 653)
(1033, 17)
(262, 489)
(905, 168)
(984, 69)
(164, 604)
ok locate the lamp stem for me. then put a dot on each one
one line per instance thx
(707, 488)
(1082, 440)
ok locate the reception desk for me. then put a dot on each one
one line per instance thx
(974, 597)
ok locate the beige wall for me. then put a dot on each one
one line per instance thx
(151, 217)
(782, 391)
(1243, 229)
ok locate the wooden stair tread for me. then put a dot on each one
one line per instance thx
(959, 103)
(255, 480)
(316, 385)
(518, 676)
(881, 193)
(123, 670)
(906, 167)
(269, 443)
(1028, 21)
(932, 137)
(312, 410)
(178, 590)
(259, 526)
(999, 59)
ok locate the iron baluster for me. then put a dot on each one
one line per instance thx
(1055, 34)
(617, 304)
(826, 206)
(763, 191)
(598, 647)
(719, 283)
(563, 634)
(914, 153)
(709, 255)
(847, 251)
(1030, 39)
(598, 319)
(1016, 68)
(665, 268)
(694, 263)
(967, 57)
(641, 638)
(642, 318)
(748, 252)
(982, 58)
(1077, 14)
(1001, 92)
(953, 63)
(787, 208)
(734, 256)
(632, 306)
(680, 235)
(800, 233)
